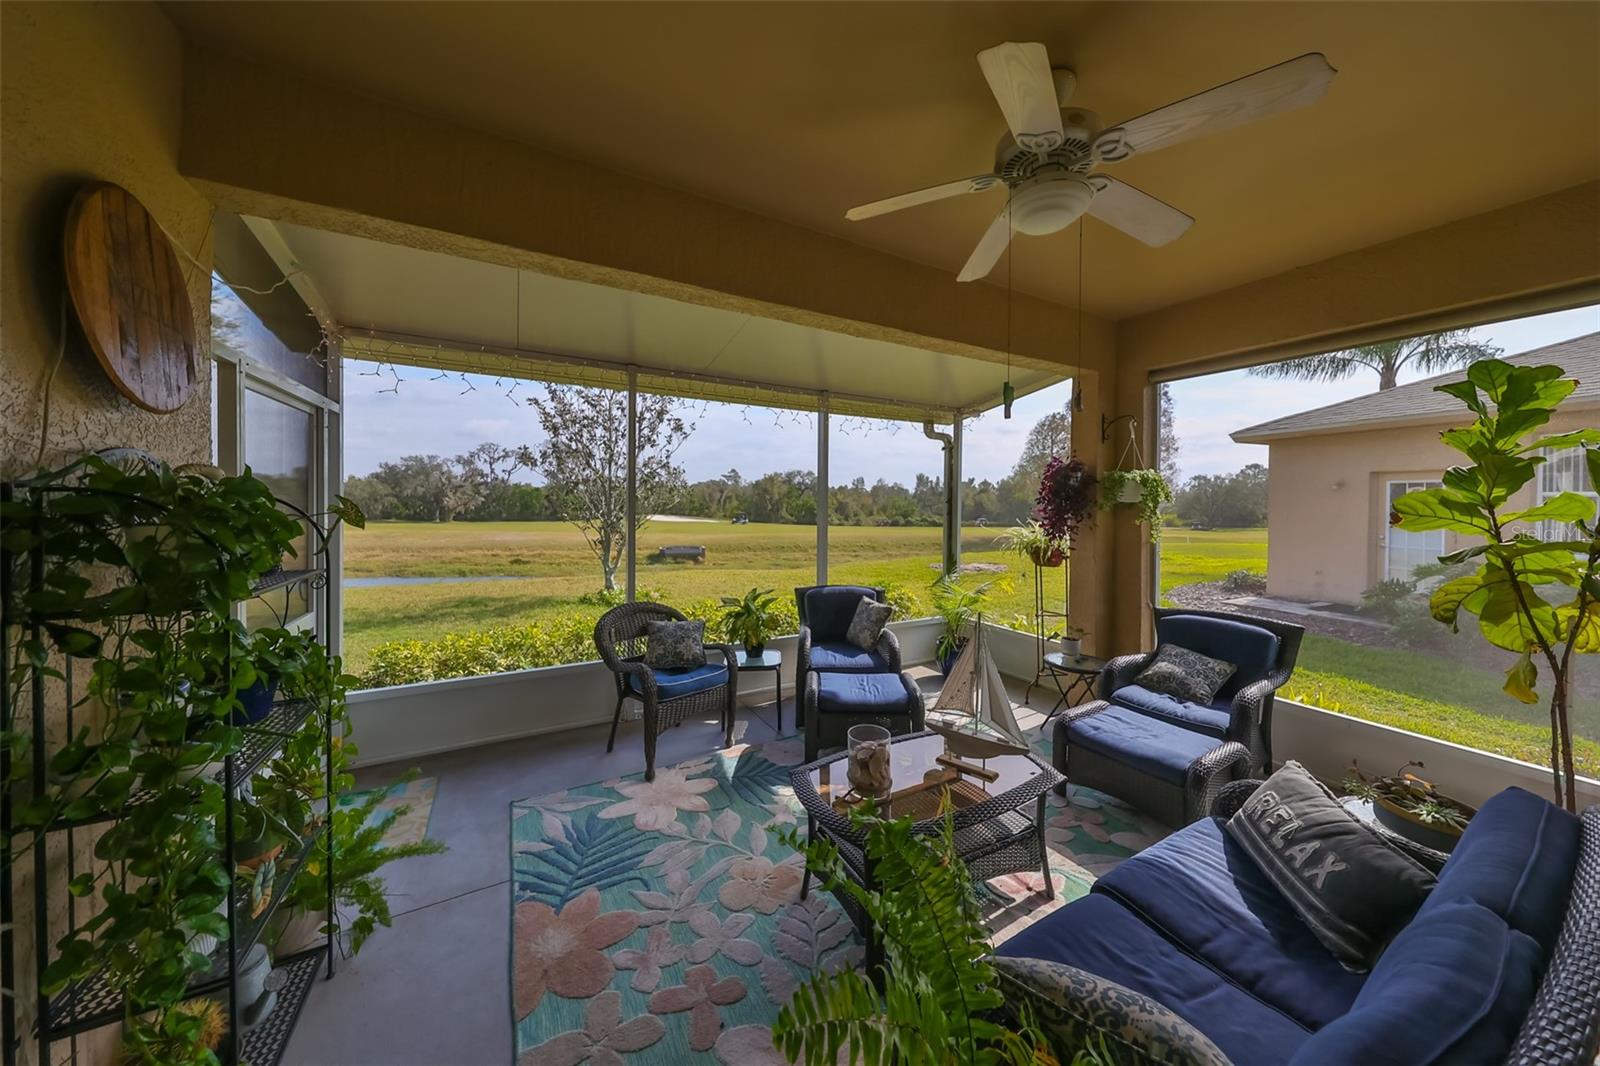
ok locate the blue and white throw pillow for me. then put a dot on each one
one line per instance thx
(1187, 675)
(674, 645)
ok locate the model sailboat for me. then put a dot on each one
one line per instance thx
(973, 712)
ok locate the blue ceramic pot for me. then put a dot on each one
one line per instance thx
(256, 701)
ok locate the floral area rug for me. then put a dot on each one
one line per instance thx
(661, 922)
(414, 799)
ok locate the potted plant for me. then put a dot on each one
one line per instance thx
(1407, 805)
(1065, 500)
(748, 619)
(1029, 539)
(1144, 488)
(956, 606)
(1072, 641)
(936, 962)
(277, 655)
(258, 836)
(1539, 599)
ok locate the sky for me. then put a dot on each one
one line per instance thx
(422, 413)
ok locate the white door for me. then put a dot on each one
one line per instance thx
(1404, 550)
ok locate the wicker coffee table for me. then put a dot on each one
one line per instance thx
(999, 824)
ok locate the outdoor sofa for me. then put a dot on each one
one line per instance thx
(1500, 964)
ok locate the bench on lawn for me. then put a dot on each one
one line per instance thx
(694, 553)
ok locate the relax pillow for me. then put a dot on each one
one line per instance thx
(1352, 888)
(674, 645)
(1186, 674)
(1075, 1009)
(867, 624)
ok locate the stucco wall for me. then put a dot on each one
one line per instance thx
(1327, 505)
(87, 91)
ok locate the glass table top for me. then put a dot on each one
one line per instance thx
(915, 773)
(771, 657)
(1082, 664)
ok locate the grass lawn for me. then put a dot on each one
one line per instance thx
(552, 567)
(1191, 556)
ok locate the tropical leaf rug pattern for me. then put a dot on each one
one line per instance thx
(661, 922)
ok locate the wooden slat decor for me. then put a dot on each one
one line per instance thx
(129, 293)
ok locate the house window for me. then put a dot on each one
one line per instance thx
(1404, 550)
(1562, 471)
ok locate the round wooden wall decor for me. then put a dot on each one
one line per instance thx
(128, 291)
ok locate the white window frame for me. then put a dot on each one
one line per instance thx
(1411, 485)
(235, 376)
(1545, 490)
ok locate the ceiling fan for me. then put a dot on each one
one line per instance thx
(1047, 158)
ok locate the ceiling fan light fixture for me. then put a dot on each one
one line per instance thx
(1050, 204)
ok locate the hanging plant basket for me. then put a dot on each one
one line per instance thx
(1143, 488)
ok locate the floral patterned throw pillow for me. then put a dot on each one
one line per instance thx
(1185, 674)
(674, 645)
(1075, 1009)
(867, 624)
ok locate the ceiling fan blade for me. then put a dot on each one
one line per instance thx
(922, 196)
(1019, 76)
(1284, 87)
(1138, 214)
(987, 253)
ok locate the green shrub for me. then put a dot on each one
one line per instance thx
(1245, 581)
(568, 638)
(1386, 600)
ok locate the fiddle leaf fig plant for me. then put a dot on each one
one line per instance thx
(1539, 599)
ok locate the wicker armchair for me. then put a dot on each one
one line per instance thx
(619, 636)
(1251, 702)
(825, 612)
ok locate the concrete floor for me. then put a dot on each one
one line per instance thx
(435, 989)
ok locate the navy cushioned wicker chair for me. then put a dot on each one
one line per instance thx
(1500, 964)
(1170, 756)
(668, 696)
(825, 613)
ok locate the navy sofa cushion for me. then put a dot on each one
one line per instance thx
(1212, 720)
(830, 608)
(685, 681)
(862, 694)
(1200, 888)
(1099, 935)
(1156, 748)
(837, 655)
(1453, 987)
(1250, 648)
(1517, 857)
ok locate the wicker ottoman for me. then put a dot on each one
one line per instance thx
(833, 702)
(1170, 772)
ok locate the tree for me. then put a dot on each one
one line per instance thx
(1051, 435)
(1431, 353)
(584, 463)
(1236, 500)
(1167, 443)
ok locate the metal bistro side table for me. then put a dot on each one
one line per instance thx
(769, 659)
(999, 823)
(1072, 678)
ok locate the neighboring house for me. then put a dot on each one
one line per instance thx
(1334, 471)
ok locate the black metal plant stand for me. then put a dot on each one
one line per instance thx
(1042, 614)
(94, 1001)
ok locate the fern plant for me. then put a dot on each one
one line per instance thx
(939, 993)
(358, 853)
